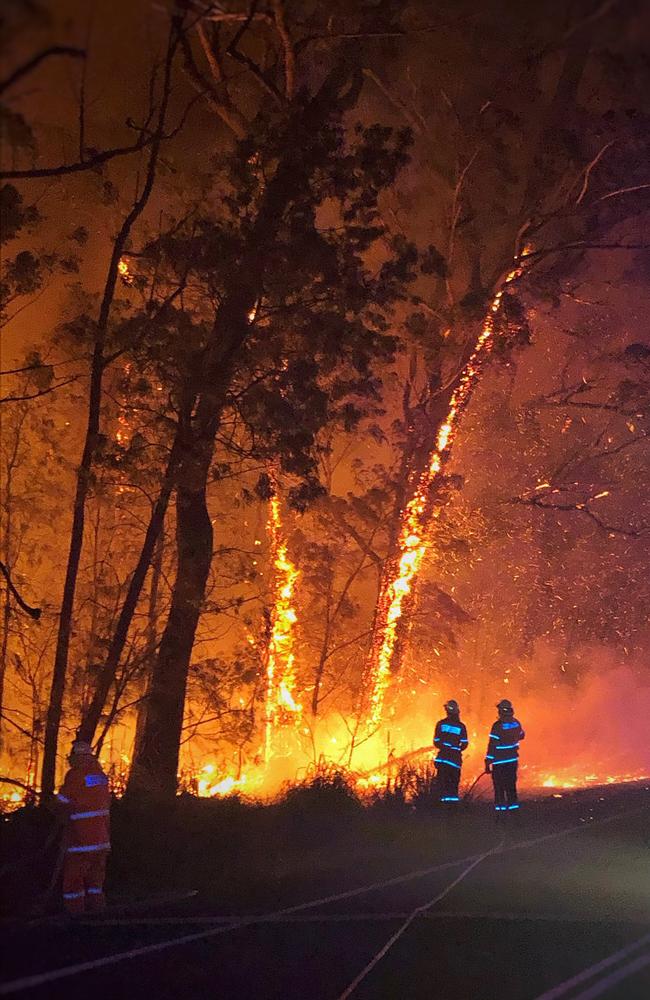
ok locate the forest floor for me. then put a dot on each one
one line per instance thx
(565, 885)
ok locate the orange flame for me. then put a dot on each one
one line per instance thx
(412, 541)
(124, 271)
(210, 785)
(280, 668)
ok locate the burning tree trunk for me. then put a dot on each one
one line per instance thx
(402, 567)
(280, 673)
(158, 751)
(403, 564)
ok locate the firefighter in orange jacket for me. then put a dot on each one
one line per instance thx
(85, 797)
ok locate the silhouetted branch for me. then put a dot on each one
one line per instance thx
(590, 166)
(14, 781)
(31, 64)
(34, 613)
(540, 502)
(74, 168)
(41, 392)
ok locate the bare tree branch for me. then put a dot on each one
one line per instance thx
(31, 64)
(287, 45)
(14, 781)
(41, 392)
(210, 53)
(229, 115)
(590, 166)
(235, 53)
(74, 168)
(624, 190)
(34, 613)
(541, 503)
(26, 368)
(579, 246)
(412, 116)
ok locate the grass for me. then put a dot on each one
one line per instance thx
(315, 838)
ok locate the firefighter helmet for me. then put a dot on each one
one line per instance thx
(82, 749)
(452, 707)
(505, 706)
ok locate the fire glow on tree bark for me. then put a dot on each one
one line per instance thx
(401, 573)
(280, 670)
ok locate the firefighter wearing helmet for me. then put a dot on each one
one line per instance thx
(84, 798)
(502, 757)
(449, 739)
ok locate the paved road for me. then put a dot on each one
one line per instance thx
(519, 924)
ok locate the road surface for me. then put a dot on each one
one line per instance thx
(559, 915)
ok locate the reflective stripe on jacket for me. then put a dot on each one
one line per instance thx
(86, 793)
(450, 739)
(503, 744)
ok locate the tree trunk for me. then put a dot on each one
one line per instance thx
(155, 765)
(152, 635)
(107, 673)
(8, 502)
(155, 762)
(155, 768)
(55, 706)
(7, 555)
(415, 462)
(324, 649)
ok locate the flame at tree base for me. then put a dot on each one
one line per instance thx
(401, 759)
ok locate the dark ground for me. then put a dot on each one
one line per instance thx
(522, 921)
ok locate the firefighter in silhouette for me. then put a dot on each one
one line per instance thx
(502, 757)
(449, 739)
(84, 799)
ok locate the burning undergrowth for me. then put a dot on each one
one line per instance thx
(587, 731)
(590, 730)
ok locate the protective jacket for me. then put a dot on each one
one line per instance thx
(503, 744)
(450, 739)
(86, 795)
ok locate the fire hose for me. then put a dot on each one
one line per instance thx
(468, 794)
(418, 911)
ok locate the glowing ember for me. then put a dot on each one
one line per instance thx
(124, 271)
(280, 669)
(569, 781)
(413, 542)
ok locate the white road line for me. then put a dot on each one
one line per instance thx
(562, 989)
(40, 979)
(325, 918)
(377, 957)
(617, 976)
(28, 982)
